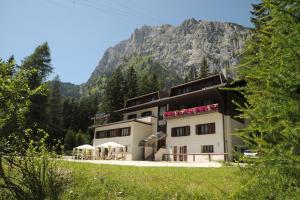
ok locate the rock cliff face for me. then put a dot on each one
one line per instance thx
(179, 47)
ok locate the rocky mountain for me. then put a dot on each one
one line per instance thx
(179, 47)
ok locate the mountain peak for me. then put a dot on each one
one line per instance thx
(179, 47)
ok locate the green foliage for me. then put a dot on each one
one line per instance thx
(271, 69)
(148, 83)
(31, 173)
(204, 70)
(27, 170)
(114, 94)
(131, 83)
(15, 95)
(69, 90)
(39, 63)
(82, 138)
(70, 140)
(191, 74)
(55, 110)
(73, 139)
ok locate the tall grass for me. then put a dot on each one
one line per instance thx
(92, 181)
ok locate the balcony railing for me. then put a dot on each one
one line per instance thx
(191, 111)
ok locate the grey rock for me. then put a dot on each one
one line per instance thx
(179, 47)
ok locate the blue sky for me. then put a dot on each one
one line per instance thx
(79, 31)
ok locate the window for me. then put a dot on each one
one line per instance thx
(202, 129)
(113, 133)
(133, 116)
(180, 131)
(146, 114)
(207, 148)
(125, 131)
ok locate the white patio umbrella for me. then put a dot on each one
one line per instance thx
(85, 146)
(110, 145)
(84, 149)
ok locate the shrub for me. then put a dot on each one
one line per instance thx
(31, 173)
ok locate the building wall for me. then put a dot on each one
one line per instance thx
(154, 111)
(231, 126)
(194, 142)
(138, 130)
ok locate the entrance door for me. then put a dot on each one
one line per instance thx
(175, 153)
(183, 153)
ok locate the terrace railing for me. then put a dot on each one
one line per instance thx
(184, 156)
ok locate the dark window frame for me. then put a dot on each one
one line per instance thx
(207, 148)
(132, 116)
(181, 131)
(119, 132)
(205, 129)
(146, 114)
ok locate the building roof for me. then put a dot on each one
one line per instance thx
(198, 80)
(166, 100)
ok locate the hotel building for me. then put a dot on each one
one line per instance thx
(194, 121)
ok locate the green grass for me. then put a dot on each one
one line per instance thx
(93, 181)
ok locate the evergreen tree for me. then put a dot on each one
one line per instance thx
(191, 75)
(131, 83)
(114, 94)
(82, 138)
(55, 110)
(204, 70)
(70, 140)
(271, 69)
(154, 82)
(39, 63)
(148, 83)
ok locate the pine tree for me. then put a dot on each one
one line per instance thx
(204, 70)
(70, 140)
(191, 75)
(55, 110)
(39, 63)
(148, 83)
(114, 94)
(271, 69)
(131, 83)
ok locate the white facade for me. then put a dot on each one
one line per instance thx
(195, 142)
(153, 110)
(138, 132)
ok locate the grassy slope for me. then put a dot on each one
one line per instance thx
(94, 181)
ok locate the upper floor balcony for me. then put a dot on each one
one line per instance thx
(191, 111)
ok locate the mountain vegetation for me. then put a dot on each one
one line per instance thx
(271, 69)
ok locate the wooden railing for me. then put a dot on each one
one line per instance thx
(167, 155)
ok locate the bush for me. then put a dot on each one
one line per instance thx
(32, 173)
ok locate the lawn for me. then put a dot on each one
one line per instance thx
(94, 181)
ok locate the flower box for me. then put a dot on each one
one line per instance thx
(191, 111)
